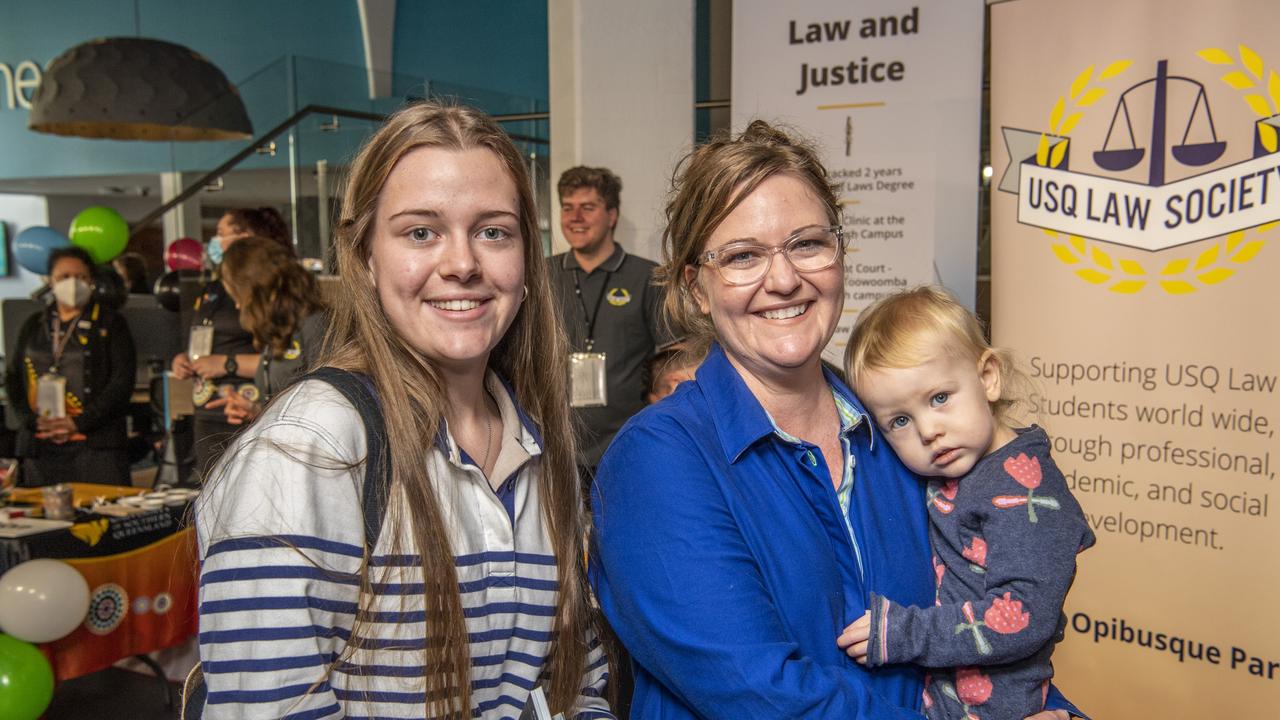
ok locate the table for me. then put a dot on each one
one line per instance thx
(142, 573)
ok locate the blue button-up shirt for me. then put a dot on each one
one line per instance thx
(727, 561)
(724, 563)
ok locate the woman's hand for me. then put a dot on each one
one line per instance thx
(182, 366)
(238, 409)
(210, 366)
(854, 639)
(56, 430)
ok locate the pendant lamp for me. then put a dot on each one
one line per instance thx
(130, 88)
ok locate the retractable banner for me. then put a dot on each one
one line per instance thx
(891, 91)
(1135, 217)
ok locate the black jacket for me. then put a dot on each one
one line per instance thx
(110, 369)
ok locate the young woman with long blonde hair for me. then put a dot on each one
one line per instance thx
(473, 593)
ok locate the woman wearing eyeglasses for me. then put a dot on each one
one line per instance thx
(742, 522)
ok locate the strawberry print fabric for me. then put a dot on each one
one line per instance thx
(1005, 539)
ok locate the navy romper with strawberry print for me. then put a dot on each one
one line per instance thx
(1005, 539)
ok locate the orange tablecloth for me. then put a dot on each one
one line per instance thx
(142, 575)
(82, 494)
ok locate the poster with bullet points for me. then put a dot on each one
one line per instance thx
(891, 92)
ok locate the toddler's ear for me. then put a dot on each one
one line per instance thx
(989, 373)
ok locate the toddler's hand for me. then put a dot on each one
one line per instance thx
(854, 639)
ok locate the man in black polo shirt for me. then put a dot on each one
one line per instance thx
(610, 309)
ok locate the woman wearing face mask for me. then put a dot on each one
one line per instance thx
(220, 353)
(74, 365)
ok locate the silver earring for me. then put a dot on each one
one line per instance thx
(526, 294)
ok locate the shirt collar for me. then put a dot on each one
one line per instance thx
(852, 416)
(741, 421)
(528, 435)
(88, 314)
(569, 261)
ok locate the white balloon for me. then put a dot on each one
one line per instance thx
(42, 600)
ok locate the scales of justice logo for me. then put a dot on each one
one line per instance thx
(1129, 234)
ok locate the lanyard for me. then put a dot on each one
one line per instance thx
(590, 319)
(60, 340)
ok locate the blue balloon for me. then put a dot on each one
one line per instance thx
(32, 247)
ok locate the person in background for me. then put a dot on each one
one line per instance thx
(610, 309)
(472, 595)
(225, 359)
(77, 356)
(132, 267)
(670, 366)
(281, 306)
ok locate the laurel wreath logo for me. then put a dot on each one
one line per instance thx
(1237, 80)
(1181, 275)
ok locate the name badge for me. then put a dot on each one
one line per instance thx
(51, 396)
(587, 386)
(201, 342)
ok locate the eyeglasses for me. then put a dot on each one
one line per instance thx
(808, 250)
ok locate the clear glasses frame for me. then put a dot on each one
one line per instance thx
(716, 258)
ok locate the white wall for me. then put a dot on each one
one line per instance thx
(19, 212)
(621, 94)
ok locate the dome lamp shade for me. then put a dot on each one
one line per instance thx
(137, 89)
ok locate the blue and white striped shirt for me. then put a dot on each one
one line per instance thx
(281, 537)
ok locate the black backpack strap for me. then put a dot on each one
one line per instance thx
(360, 391)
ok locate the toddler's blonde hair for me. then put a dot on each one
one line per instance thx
(913, 326)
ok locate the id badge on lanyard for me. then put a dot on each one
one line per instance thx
(587, 383)
(51, 387)
(201, 342)
(51, 395)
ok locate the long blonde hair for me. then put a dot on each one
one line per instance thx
(532, 356)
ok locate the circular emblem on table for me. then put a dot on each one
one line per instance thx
(141, 605)
(107, 607)
(249, 392)
(162, 603)
(618, 297)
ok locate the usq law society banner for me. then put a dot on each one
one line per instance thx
(891, 91)
(1136, 270)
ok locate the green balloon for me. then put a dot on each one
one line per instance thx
(26, 680)
(101, 232)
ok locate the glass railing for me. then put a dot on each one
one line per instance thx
(309, 118)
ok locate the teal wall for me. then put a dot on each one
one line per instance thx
(493, 53)
(497, 46)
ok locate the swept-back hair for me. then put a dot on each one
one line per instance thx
(276, 293)
(602, 180)
(706, 186)
(532, 356)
